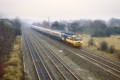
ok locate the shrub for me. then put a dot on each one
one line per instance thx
(103, 46)
(111, 49)
(2, 72)
(91, 42)
(14, 61)
(118, 54)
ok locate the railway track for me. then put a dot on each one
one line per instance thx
(35, 67)
(29, 69)
(108, 65)
(39, 66)
(114, 63)
(59, 65)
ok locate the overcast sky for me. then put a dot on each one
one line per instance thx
(61, 9)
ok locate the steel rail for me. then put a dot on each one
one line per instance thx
(30, 52)
(46, 71)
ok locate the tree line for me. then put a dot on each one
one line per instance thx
(8, 30)
(96, 28)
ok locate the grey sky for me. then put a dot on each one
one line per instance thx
(61, 9)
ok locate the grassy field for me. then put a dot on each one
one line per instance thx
(114, 40)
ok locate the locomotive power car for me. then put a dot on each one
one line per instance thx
(67, 37)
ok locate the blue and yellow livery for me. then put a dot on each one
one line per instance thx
(71, 38)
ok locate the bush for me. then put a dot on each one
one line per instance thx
(118, 54)
(103, 46)
(91, 42)
(12, 73)
(2, 72)
(111, 49)
(14, 61)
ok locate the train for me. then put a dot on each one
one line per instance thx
(70, 38)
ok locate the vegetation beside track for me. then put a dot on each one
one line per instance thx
(13, 69)
(111, 46)
(9, 29)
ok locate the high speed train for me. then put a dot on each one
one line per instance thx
(70, 38)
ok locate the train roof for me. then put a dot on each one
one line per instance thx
(55, 31)
(47, 29)
(68, 33)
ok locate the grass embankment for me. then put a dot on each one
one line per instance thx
(13, 69)
(114, 41)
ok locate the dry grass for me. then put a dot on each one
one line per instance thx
(14, 63)
(114, 40)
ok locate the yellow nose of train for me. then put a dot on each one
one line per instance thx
(77, 43)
